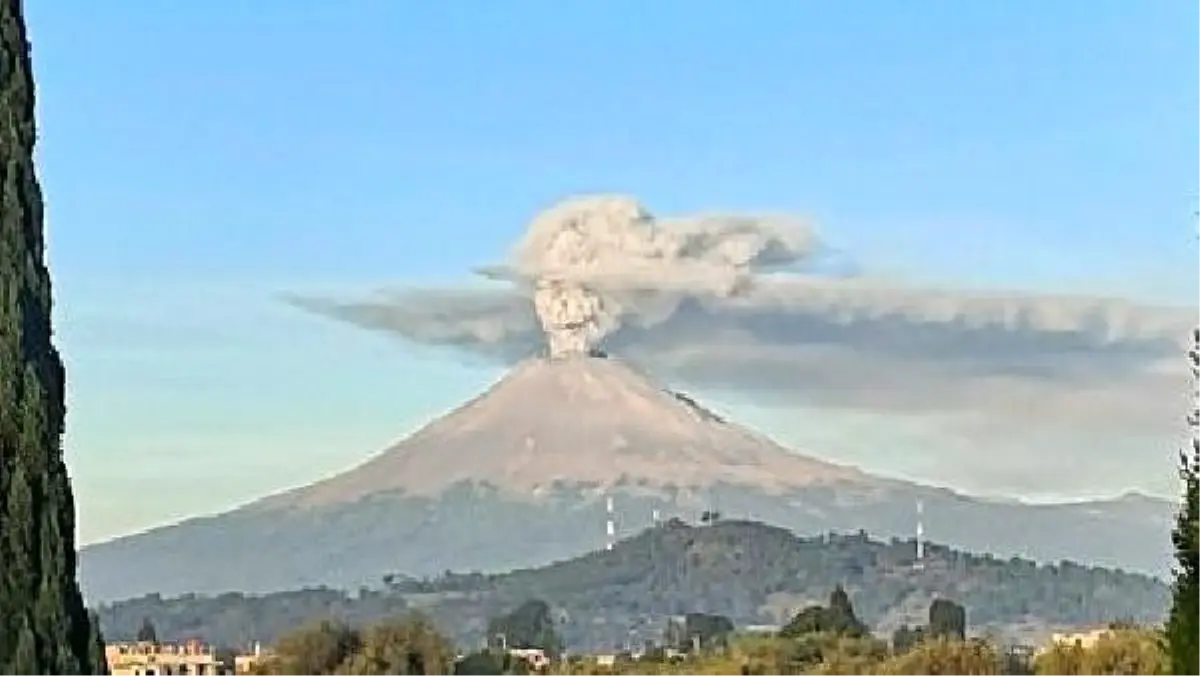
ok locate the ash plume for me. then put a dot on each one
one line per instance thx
(739, 304)
(590, 260)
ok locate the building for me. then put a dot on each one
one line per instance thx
(145, 658)
(248, 664)
(1083, 639)
(536, 658)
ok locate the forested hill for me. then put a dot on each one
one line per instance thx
(750, 572)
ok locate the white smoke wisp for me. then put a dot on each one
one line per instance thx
(584, 254)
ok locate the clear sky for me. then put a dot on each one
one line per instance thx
(200, 158)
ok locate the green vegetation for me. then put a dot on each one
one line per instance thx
(748, 572)
(410, 645)
(237, 620)
(529, 626)
(837, 618)
(406, 645)
(265, 547)
(147, 633)
(1183, 626)
(1123, 651)
(947, 619)
(699, 631)
(44, 627)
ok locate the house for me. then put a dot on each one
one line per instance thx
(536, 658)
(248, 663)
(147, 658)
(1083, 639)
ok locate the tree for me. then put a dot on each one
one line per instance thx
(405, 645)
(529, 626)
(96, 654)
(482, 663)
(319, 648)
(842, 620)
(905, 638)
(409, 645)
(1183, 627)
(838, 618)
(1124, 651)
(939, 656)
(947, 619)
(810, 620)
(146, 633)
(44, 626)
(706, 630)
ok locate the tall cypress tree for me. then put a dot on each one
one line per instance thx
(1183, 627)
(44, 627)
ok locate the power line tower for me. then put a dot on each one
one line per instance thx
(919, 562)
(610, 526)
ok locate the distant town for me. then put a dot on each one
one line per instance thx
(698, 649)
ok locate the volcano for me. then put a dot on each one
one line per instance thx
(519, 476)
(576, 420)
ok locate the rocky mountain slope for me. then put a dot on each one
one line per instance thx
(750, 572)
(520, 475)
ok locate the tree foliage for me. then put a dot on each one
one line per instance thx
(147, 633)
(733, 568)
(405, 645)
(945, 656)
(1121, 651)
(1183, 627)
(44, 626)
(706, 630)
(906, 637)
(412, 645)
(318, 648)
(947, 619)
(530, 625)
(837, 618)
(481, 663)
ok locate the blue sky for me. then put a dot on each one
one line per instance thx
(200, 158)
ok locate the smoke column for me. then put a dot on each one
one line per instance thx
(565, 243)
(583, 254)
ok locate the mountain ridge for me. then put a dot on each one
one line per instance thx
(752, 572)
(531, 461)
